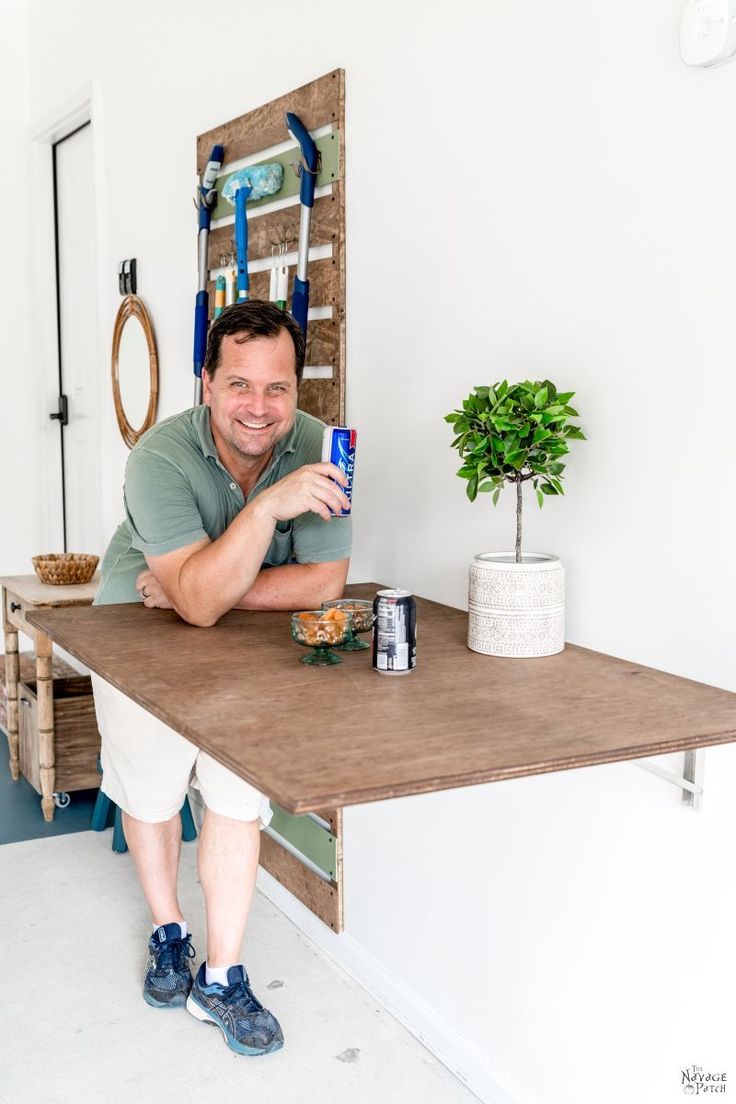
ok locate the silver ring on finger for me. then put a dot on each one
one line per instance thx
(144, 595)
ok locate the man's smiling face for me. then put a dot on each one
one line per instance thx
(253, 394)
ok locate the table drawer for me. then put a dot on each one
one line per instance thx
(15, 613)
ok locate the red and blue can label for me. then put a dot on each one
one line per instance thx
(338, 447)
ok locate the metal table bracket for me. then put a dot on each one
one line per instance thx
(691, 781)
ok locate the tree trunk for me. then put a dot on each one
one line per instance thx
(518, 519)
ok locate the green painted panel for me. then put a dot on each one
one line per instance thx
(308, 837)
(329, 147)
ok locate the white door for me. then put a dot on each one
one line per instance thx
(79, 372)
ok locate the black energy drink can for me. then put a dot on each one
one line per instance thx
(394, 632)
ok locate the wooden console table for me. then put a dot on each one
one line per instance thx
(315, 738)
(20, 595)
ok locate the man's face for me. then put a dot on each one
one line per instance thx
(252, 397)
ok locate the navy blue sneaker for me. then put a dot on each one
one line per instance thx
(248, 1027)
(168, 977)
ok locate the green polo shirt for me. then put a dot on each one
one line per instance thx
(177, 491)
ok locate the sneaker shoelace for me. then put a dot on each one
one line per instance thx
(174, 953)
(242, 996)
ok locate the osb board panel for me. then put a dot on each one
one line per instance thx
(334, 819)
(317, 103)
(322, 898)
(321, 399)
(324, 284)
(276, 226)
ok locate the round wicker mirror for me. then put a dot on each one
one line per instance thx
(134, 370)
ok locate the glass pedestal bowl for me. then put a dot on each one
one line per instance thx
(363, 618)
(321, 630)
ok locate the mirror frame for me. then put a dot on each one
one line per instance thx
(133, 307)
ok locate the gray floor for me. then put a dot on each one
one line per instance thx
(75, 1027)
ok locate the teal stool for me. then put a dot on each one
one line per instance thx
(107, 813)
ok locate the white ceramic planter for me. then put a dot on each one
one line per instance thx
(516, 609)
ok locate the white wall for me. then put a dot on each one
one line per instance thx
(20, 412)
(533, 190)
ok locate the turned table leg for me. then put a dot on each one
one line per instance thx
(12, 677)
(46, 750)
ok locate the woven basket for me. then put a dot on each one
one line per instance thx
(65, 568)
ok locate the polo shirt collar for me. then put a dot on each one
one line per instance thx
(203, 429)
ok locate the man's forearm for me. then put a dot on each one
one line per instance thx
(212, 580)
(293, 587)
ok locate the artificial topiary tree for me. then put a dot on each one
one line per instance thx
(512, 434)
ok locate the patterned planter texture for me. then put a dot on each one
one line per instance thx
(516, 609)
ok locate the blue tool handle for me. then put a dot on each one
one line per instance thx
(201, 310)
(241, 239)
(310, 154)
(213, 166)
(300, 303)
(207, 190)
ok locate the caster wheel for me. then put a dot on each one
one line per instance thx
(61, 800)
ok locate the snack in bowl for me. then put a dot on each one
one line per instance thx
(321, 630)
(363, 618)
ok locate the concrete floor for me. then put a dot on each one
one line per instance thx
(75, 1028)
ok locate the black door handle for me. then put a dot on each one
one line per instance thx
(15, 606)
(62, 415)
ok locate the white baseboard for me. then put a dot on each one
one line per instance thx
(455, 1052)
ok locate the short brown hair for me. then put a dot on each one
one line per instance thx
(251, 319)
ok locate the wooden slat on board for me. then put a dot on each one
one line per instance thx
(281, 225)
(316, 103)
(322, 898)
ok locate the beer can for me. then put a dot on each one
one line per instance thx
(394, 632)
(338, 447)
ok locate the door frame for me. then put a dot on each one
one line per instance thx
(86, 107)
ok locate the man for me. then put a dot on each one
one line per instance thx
(220, 501)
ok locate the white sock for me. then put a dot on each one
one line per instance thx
(182, 924)
(216, 974)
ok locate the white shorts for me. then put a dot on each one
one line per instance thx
(147, 768)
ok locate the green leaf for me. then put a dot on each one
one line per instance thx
(480, 445)
(540, 435)
(565, 397)
(527, 401)
(556, 483)
(501, 389)
(472, 488)
(465, 472)
(516, 459)
(487, 486)
(575, 433)
(496, 493)
(540, 498)
(571, 412)
(482, 392)
(548, 489)
(540, 398)
(557, 469)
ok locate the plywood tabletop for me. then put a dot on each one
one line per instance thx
(32, 590)
(326, 737)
